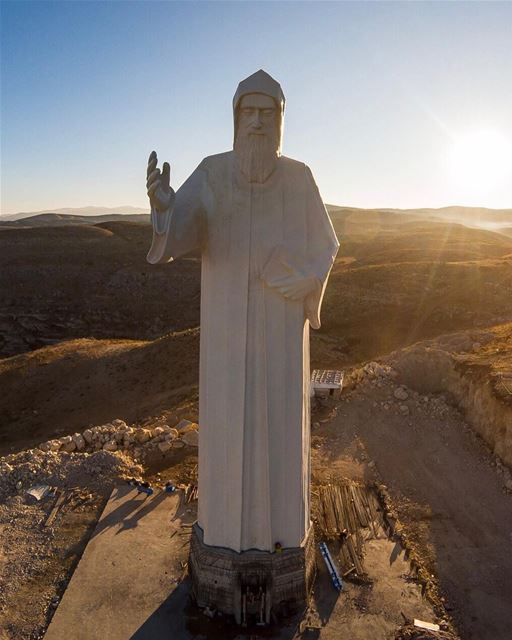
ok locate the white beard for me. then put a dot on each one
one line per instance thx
(257, 156)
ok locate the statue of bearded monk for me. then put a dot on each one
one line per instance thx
(267, 246)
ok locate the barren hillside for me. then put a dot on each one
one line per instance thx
(60, 389)
(86, 293)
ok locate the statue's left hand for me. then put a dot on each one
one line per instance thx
(295, 288)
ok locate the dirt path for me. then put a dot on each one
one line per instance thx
(449, 496)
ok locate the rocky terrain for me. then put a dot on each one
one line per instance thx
(385, 429)
(66, 461)
(89, 280)
(99, 384)
(452, 492)
(42, 540)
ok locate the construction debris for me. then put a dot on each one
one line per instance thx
(22, 471)
(349, 514)
(39, 491)
(53, 513)
(331, 567)
(191, 493)
(430, 626)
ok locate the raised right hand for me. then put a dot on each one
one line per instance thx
(161, 195)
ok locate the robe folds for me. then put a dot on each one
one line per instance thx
(254, 403)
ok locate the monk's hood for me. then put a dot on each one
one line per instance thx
(261, 82)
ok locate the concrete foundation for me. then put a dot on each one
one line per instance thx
(253, 584)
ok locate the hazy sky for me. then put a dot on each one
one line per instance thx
(390, 104)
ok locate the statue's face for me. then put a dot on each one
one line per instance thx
(257, 115)
(257, 136)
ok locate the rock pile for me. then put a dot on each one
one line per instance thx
(98, 455)
(374, 372)
(118, 436)
(399, 397)
(20, 471)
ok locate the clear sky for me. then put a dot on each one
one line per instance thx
(391, 104)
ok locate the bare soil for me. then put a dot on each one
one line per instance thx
(451, 499)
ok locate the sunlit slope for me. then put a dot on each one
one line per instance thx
(398, 280)
(382, 238)
(377, 308)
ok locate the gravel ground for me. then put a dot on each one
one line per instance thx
(37, 559)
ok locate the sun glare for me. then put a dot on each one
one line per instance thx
(480, 160)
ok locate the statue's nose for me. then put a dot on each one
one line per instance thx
(256, 123)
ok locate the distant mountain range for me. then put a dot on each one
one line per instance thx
(78, 211)
(492, 219)
(470, 216)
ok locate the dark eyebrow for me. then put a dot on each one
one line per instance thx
(258, 108)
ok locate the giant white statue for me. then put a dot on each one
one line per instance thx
(267, 246)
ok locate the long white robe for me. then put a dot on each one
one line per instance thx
(254, 415)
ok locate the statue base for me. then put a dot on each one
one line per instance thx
(251, 585)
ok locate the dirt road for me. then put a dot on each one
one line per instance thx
(449, 495)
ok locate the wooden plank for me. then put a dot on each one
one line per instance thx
(358, 507)
(350, 509)
(354, 556)
(55, 509)
(366, 500)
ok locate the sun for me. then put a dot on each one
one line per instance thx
(480, 160)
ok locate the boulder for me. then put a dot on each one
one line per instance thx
(79, 441)
(191, 438)
(157, 431)
(5, 468)
(184, 425)
(164, 446)
(172, 434)
(68, 447)
(119, 424)
(111, 445)
(128, 439)
(401, 394)
(177, 444)
(142, 435)
(88, 435)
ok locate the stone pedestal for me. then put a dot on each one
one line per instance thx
(252, 584)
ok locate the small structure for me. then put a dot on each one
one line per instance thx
(326, 383)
